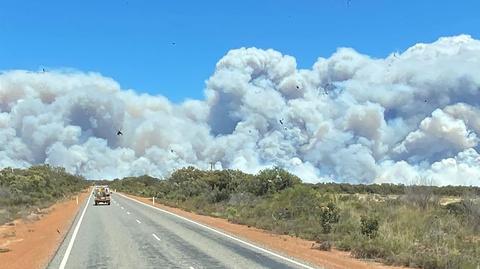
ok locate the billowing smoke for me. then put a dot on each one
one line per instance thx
(350, 118)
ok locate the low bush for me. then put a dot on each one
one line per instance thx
(23, 190)
(369, 226)
(325, 246)
(329, 216)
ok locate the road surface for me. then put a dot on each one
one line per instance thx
(129, 234)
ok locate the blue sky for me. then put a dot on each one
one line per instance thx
(132, 41)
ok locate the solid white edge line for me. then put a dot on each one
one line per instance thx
(156, 237)
(138, 221)
(224, 234)
(74, 235)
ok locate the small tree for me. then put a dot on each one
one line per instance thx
(271, 181)
(329, 216)
(369, 226)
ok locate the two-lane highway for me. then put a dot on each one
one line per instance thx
(130, 234)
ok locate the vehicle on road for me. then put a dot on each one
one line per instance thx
(101, 195)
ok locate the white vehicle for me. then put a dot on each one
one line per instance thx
(101, 194)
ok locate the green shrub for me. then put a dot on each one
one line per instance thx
(272, 181)
(329, 216)
(231, 213)
(38, 186)
(218, 195)
(369, 226)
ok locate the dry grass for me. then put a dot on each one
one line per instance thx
(445, 200)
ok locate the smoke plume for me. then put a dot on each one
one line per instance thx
(350, 118)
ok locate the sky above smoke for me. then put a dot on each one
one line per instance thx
(350, 118)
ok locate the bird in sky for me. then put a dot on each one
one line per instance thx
(325, 91)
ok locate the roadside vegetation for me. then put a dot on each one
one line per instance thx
(416, 226)
(24, 191)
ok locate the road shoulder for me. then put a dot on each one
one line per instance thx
(32, 243)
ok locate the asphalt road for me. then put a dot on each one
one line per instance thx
(129, 234)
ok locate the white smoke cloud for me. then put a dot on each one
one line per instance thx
(350, 118)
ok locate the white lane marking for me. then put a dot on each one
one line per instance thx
(128, 213)
(191, 267)
(138, 221)
(156, 237)
(224, 234)
(74, 235)
(122, 207)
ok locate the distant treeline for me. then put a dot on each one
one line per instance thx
(220, 184)
(235, 177)
(23, 190)
(410, 227)
(393, 189)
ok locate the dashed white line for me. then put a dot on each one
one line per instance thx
(191, 267)
(128, 213)
(138, 221)
(122, 207)
(156, 237)
(223, 234)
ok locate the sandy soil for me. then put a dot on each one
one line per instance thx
(292, 246)
(32, 242)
